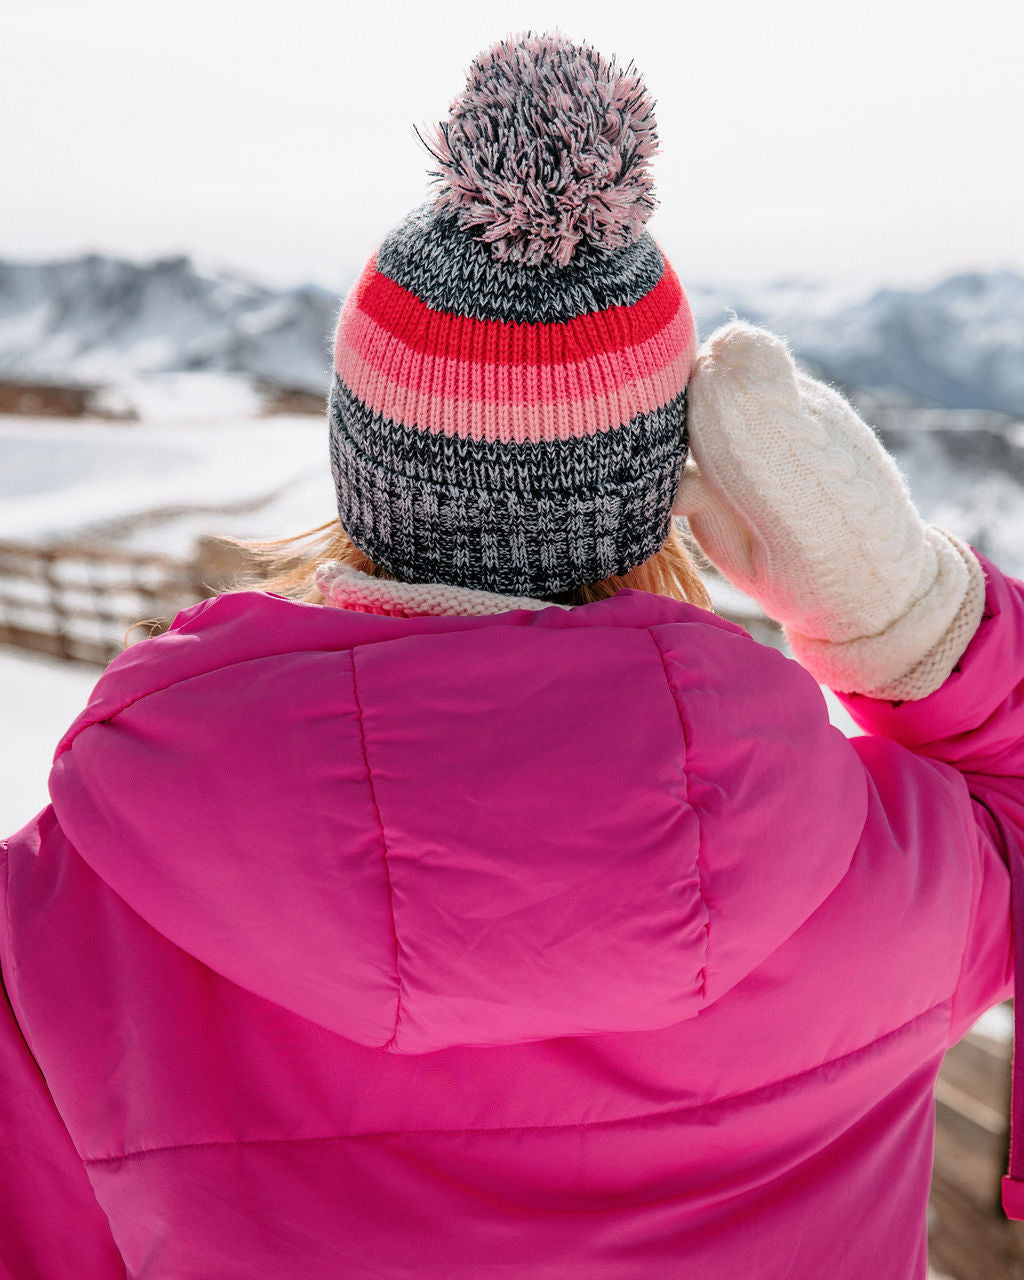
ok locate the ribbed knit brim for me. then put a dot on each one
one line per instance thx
(517, 429)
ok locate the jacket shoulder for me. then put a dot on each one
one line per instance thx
(224, 631)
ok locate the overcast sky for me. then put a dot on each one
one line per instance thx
(870, 141)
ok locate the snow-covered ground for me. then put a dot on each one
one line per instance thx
(202, 449)
(997, 1024)
(39, 698)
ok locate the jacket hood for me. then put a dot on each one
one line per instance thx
(428, 831)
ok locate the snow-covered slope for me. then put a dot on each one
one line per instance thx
(103, 320)
(40, 697)
(65, 481)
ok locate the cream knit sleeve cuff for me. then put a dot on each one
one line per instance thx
(916, 653)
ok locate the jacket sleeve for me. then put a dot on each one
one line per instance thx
(51, 1226)
(974, 726)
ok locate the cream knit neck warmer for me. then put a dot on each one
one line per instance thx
(348, 588)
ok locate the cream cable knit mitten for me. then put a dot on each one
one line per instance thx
(793, 498)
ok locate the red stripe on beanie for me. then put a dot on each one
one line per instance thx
(451, 337)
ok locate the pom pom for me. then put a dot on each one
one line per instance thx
(547, 146)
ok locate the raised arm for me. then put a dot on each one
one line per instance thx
(795, 500)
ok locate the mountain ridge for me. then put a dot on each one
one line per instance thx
(98, 319)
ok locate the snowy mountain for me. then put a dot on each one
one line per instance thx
(101, 320)
(958, 345)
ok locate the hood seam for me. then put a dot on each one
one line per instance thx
(383, 848)
(696, 813)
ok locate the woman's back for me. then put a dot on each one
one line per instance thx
(543, 937)
(549, 943)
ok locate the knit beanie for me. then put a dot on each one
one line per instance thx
(508, 407)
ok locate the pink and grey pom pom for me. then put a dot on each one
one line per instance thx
(547, 147)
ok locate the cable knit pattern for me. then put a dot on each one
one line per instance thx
(891, 665)
(795, 500)
(348, 588)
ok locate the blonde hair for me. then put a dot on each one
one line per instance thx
(286, 565)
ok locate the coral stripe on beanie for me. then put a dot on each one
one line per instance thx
(508, 409)
(361, 345)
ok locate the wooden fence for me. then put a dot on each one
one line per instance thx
(969, 1236)
(78, 602)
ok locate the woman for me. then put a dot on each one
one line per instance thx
(483, 907)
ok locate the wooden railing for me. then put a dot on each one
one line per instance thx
(78, 602)
(969, 1236)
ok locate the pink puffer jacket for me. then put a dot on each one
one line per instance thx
(527, 946)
